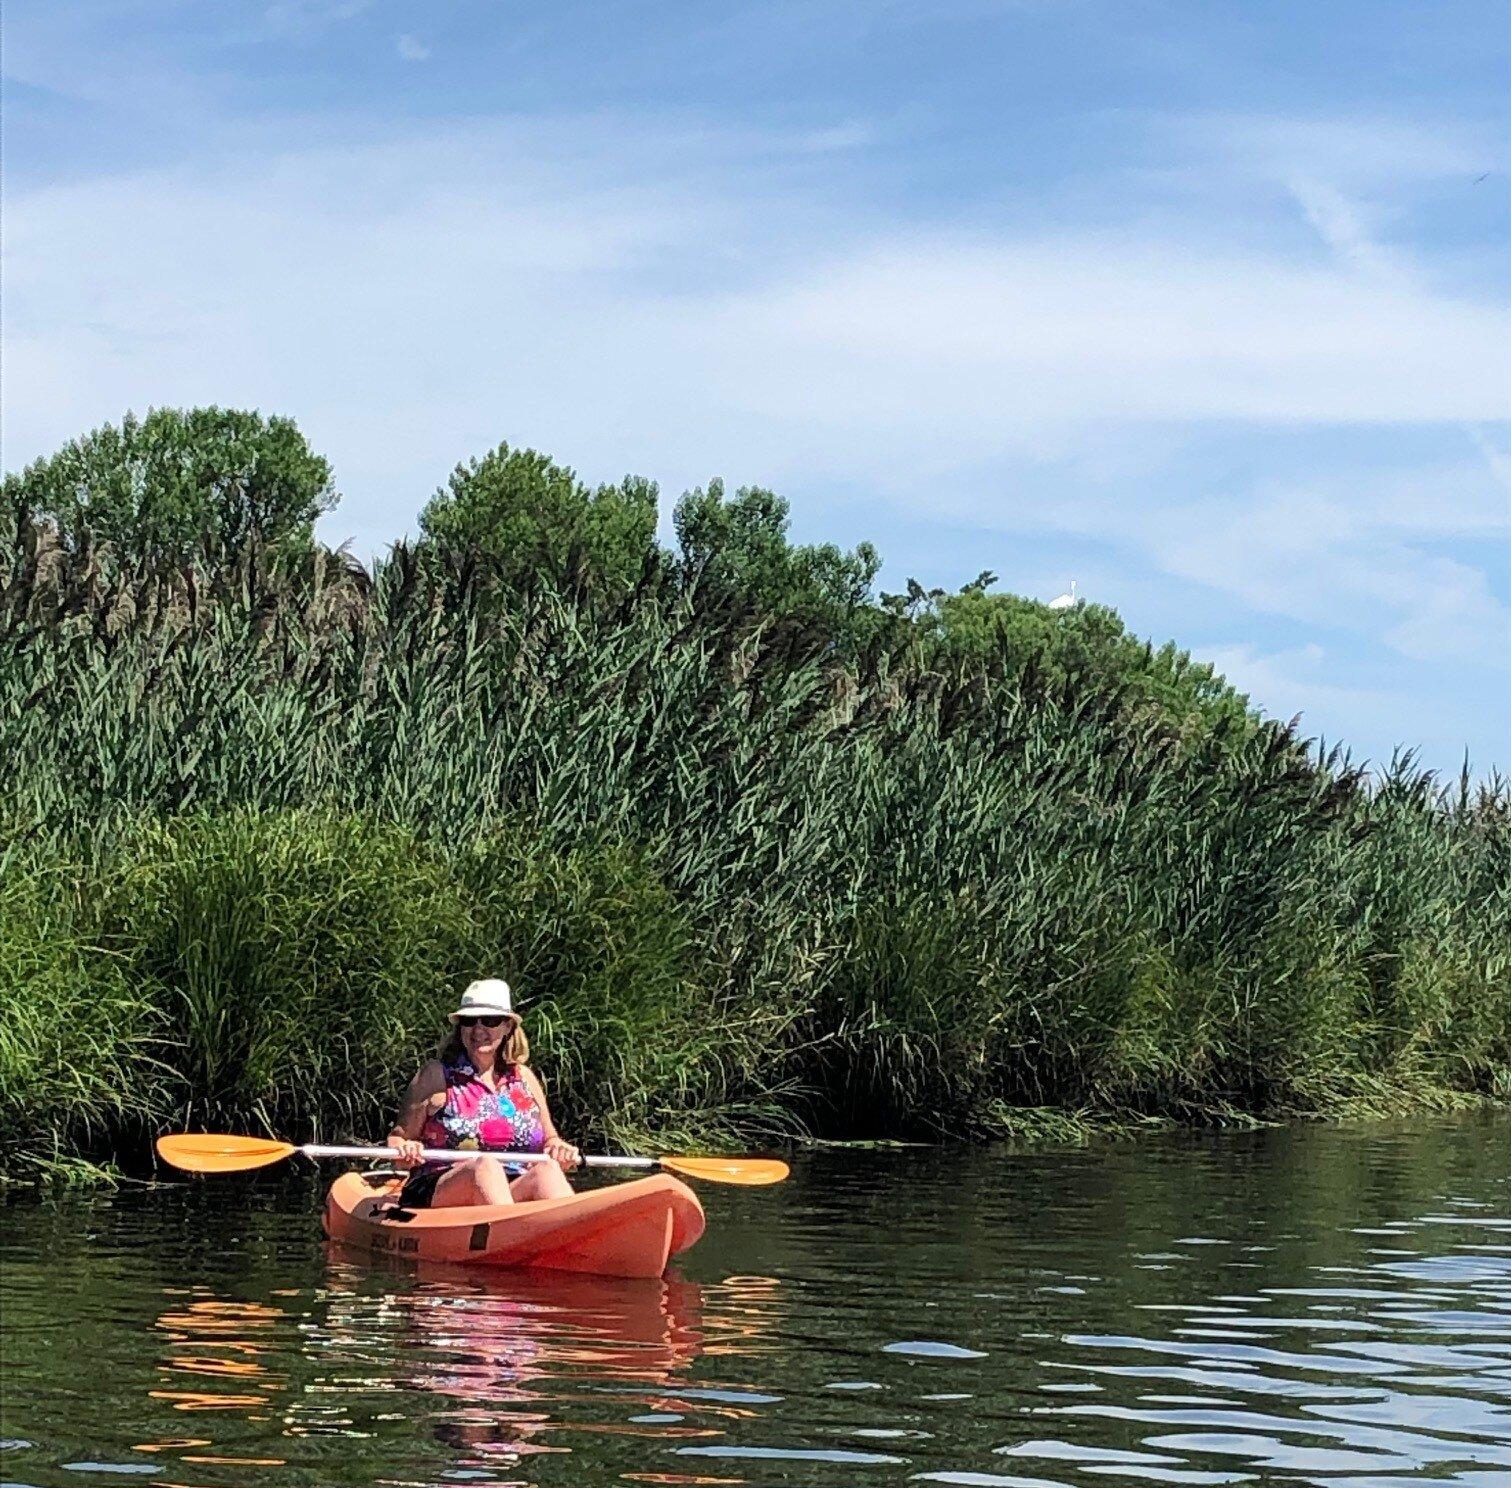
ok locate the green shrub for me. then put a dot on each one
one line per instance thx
(80, 1038)
(606, 974)
(300, 962)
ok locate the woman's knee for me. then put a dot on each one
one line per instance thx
(491, 1180)
(543, 1180)
(553, 1178)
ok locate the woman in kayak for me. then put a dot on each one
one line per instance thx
(480, 1094)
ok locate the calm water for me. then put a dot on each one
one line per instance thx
(1301, 1307)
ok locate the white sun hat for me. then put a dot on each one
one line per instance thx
(488, 998)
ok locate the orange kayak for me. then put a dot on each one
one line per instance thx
(629, 1229)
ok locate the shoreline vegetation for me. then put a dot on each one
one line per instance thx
(765, 853)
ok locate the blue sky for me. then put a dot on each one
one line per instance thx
(1206, 306)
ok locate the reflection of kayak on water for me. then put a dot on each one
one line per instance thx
(502, 1352)
(486, 1363)
(630, 1229)
(501, 1331)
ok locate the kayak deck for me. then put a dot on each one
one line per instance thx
(629, 1229)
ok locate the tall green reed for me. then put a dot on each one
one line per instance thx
(753, 879)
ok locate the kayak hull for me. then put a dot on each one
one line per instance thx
(629, 1229)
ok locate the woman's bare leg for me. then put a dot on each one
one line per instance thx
(541, 1181)
(481, 1181)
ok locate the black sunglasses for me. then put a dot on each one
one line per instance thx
(488, 1020)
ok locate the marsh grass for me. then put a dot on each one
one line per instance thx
(59, 1172)
(262, 819)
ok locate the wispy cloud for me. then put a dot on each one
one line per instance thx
(882, 346)
(980, 338)
(1358, 153)
(1304, 677)
(1341, 563)
(1497, 461)
(412, 49)
(681, 300)
(302, 18)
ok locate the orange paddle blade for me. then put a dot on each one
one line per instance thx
(209, 1152)
(754, 1171)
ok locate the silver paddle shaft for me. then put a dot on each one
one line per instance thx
(453, 1154)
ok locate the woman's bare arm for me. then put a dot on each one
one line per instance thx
(419, 1101)
(556, 1145)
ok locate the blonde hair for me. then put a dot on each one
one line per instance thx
(516, 1048)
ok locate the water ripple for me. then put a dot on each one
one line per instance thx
(1316, 1306)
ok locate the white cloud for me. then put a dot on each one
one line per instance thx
(1342, 225)
(1496, 460)
(412, 49)
(882, 347)
(980, 339)
(639, 299)
(1354, 154)
(850, 136)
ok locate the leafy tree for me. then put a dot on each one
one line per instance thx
(1087, 643)
(179, 479)
(740, 543)
(524, 514)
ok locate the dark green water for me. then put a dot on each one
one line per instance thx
(1314, 1306)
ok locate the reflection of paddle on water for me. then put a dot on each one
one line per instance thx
(217, 1340)
(219, 1346)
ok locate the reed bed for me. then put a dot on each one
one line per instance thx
(751, 878)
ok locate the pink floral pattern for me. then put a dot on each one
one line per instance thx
(475, 1118)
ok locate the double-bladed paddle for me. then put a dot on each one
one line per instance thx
(211, 1152)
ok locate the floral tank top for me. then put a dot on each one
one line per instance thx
(476, 1118)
